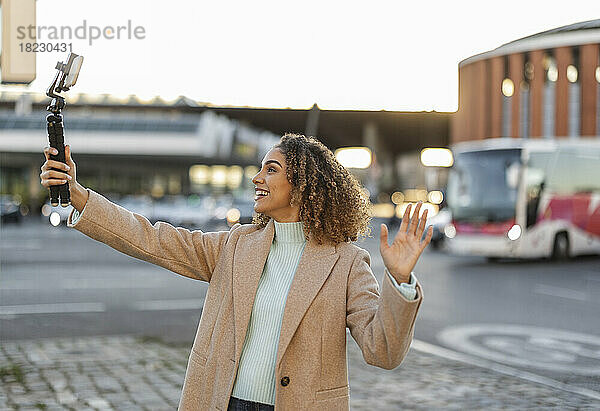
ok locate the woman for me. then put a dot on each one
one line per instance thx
(282, 290)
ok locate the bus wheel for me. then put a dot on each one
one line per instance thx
(561, 247)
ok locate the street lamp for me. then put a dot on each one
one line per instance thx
(433, 159)
(437, 157)
(354, 157)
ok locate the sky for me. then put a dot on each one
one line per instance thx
(376, 55)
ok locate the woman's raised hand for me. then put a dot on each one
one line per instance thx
(67, 173)
(401, 257)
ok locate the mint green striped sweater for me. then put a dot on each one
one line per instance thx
(255, 379)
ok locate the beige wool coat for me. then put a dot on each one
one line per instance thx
(333, 288)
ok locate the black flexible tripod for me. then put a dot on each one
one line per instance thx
(64, 79)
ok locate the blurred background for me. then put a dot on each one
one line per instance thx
(493, 121)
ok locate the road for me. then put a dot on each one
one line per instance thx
(540, 318)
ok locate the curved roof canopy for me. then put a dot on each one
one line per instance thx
(584, 32)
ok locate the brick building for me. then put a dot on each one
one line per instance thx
(540, 86)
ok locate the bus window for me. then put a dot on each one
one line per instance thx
(478, 190)
(576, 170)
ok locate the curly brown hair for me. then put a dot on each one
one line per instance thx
(333, 206)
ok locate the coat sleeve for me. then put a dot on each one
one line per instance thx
(409, 289)
(193, 254)
(381, 324)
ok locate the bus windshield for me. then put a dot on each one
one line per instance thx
(482, 185)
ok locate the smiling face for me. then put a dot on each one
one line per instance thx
(274, 201)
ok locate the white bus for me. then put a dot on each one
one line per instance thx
(525, 198)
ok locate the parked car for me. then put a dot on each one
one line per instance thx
(439, 222)
(180, 211)
(227, 213)
(192, 212)
(240, 212)
(10, 207)
(164, 209)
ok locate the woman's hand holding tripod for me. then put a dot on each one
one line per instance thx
(57, 173)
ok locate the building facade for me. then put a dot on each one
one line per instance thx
(542, 86)
(184, 147)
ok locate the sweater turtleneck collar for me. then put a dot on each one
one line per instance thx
(289, 232)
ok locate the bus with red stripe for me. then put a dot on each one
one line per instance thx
(525, 198)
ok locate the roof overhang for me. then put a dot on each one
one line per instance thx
(549, 41)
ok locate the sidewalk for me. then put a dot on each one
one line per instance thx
(130, 373)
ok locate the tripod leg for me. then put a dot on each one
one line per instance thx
(56, 140)
(65, 194)
(54, 195)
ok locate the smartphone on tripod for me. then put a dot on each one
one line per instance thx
(65, 78)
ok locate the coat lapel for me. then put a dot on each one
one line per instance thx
(250, 257)
(313, 269)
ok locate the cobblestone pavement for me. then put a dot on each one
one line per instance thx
(131, 373)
